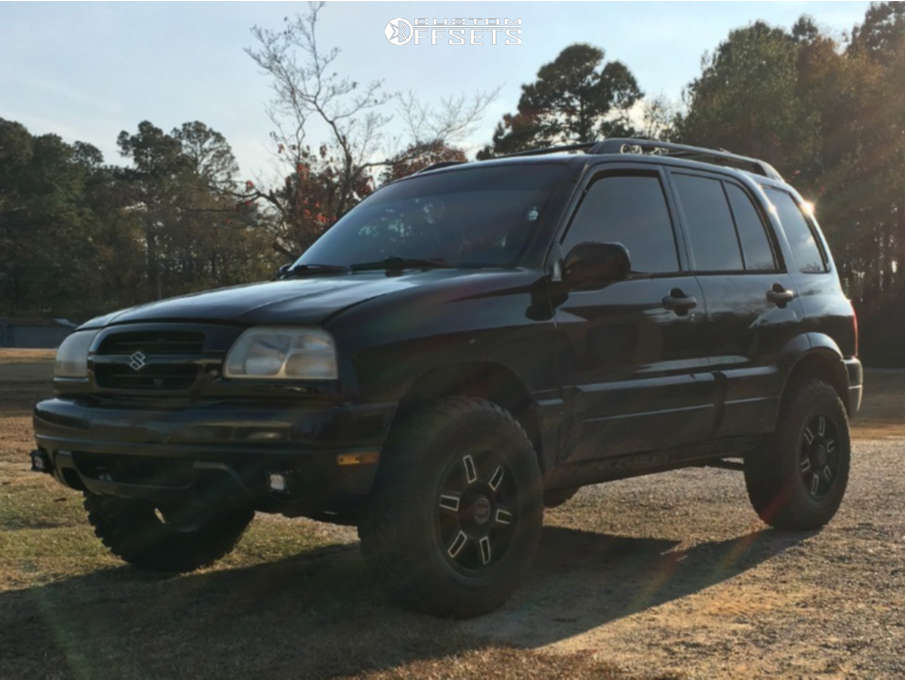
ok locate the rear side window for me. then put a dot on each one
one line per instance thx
(802, 241)
(632, 210)
(756, 249)
(714, 243)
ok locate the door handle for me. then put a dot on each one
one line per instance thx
(679, 302)
(780, 295)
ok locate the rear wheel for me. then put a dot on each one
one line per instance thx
(457, 509)
(800, 481)
(165, 538)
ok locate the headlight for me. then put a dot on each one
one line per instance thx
(72, 356)
(283, 353)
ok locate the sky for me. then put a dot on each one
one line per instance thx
(88, 70)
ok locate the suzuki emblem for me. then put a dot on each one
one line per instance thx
(137, 360)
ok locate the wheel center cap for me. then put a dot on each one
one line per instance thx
(481, 510)
(821, 455)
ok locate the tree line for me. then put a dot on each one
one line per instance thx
(79, 235)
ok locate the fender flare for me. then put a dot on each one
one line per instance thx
(801, 350)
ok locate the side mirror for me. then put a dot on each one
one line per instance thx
(592, 265)
(282, 271)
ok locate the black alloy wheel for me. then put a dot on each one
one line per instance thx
(818, 461)
(476, 510)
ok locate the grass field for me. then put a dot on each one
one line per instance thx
(293, 600)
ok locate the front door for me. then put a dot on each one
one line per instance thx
(633, 366)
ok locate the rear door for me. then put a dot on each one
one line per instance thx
(632, 360)
(752, 310)
(825, 308)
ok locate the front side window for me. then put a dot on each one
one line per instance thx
(631, 210)
(802, 241)
(472, 217)
(714, 243)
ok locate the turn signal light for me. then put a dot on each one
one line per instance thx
(363, 458)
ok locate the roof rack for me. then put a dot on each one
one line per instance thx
(632, 145)
(581, 146)
(696, 153)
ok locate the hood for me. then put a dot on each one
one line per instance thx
(293, 301)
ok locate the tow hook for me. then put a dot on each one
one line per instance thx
(40, 461)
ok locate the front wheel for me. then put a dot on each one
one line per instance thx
(167, 538)
(457, 510)
(799, 482)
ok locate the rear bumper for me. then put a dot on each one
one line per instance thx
(854, 377)
(215, 452)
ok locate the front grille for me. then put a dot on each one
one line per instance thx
(153, 359)
(151, 377)
(153, 342)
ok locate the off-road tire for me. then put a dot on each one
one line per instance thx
(403, 531)
(135, 532)
(781, 480)
(557, 497)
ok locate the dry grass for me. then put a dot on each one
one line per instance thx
(17, 355)
(294, 599)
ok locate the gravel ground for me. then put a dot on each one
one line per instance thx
(674, 573)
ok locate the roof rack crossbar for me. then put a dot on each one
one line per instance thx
(628, 145)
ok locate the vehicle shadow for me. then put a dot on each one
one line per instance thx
(319, 613)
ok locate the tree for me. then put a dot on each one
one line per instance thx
(154, 181)
(573, 99)
(830, 118)
(79, 237)
(342, 168)
(746, 99)
(867, 188)
(420, 156)
(182, 187)
(209, 155)
(46, 228)
(658, 116)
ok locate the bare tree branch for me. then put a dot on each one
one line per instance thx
(452, 120)
(307, 88)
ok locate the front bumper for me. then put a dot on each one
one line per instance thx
(215, 452)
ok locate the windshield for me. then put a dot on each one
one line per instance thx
(468, 218)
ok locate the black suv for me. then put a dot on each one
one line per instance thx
(468, 345)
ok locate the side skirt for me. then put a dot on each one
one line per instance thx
(710, 454)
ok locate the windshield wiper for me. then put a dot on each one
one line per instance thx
(313, 269)
(394, 263)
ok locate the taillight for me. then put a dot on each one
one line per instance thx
(855, 330)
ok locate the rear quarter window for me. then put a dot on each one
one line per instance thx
(752, 237)
(807, 254)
